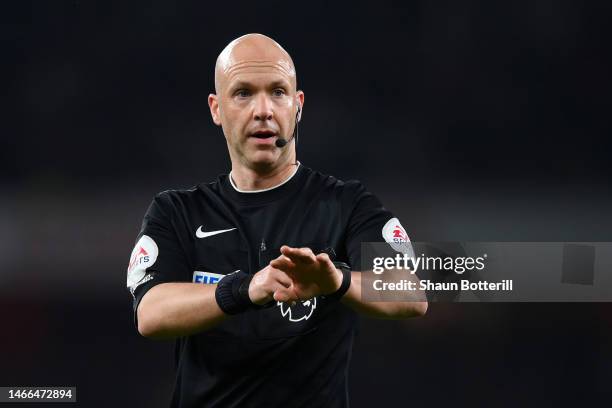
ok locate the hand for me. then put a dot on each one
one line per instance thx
(311, 274)
(271, 284)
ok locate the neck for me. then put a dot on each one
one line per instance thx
(248, 179)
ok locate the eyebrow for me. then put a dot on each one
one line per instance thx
(279, 83)
(240, 85)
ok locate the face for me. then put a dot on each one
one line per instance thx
(256, 103)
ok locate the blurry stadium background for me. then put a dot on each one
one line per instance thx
(471, 120)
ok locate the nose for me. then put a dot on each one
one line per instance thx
(263, 108)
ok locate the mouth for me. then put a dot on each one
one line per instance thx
(263, 134)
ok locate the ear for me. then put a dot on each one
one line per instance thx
(299, 95)
(213, 105)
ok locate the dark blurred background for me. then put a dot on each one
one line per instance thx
(471, 120)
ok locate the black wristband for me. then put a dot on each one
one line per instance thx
(232, 294)
(346, 281)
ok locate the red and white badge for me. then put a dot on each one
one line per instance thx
(143, 256)
(395, 235)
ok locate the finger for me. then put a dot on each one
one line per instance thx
(282, 278)
(325, 259)
(301, 255)
(282, 262)
(282, 257)
(280, 296)
(285, 295)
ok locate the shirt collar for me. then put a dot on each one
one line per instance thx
(263, 189)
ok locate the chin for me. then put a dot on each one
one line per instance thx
(264, 159)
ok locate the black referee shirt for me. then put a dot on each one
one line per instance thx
(281, 356)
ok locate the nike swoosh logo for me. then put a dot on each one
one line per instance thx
(202, 234)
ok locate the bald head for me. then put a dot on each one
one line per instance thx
(252, 51)
(256, 103)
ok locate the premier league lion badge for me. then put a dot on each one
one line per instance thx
(300, 311)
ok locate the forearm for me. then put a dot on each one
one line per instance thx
(382, 309)
(177, 309)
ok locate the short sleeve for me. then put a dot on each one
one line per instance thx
(158, 256)
(369, 221)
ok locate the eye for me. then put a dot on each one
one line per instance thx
(278, 92)
(242, 93)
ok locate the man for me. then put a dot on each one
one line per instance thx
(252, 273)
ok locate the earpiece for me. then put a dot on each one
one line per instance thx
(280, 142)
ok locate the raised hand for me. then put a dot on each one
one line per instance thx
(271, 283)
(311, 274)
